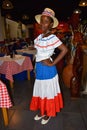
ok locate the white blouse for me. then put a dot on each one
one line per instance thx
(45, 46)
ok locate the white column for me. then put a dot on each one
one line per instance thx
(2, 28)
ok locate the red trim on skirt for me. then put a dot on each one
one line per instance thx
(48, 106)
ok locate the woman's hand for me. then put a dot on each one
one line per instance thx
(63, 52)
(47, 62)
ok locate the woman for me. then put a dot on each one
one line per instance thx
(47, 96)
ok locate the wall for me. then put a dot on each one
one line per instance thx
(12, 29)
(15, 29)
(30, 31)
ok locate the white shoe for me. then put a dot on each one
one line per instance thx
(43, 122)
(36, 118)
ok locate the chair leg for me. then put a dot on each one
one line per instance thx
(11, 84)
(5, 116)
(28, 74)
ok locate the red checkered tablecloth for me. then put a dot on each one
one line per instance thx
(9, 68)
(5, 101)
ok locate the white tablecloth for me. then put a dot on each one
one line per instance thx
(18, 59)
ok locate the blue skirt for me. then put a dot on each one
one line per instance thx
(44, 72)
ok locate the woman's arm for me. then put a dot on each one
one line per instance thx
(63, 50)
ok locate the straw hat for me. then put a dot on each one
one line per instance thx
(48, 12)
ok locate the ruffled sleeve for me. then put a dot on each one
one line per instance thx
(47, 43)
(55, 42)
(36, 41)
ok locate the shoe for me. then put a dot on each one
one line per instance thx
(44, 121)
(36, 118)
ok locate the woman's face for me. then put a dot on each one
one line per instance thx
(45, 23)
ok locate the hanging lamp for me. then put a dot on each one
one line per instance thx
(7, 4)
(77, 11)
(25, 17)
(83, 3)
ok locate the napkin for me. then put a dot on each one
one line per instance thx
(19, 59)
(1, 62)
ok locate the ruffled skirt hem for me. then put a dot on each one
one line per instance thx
(47, 106)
